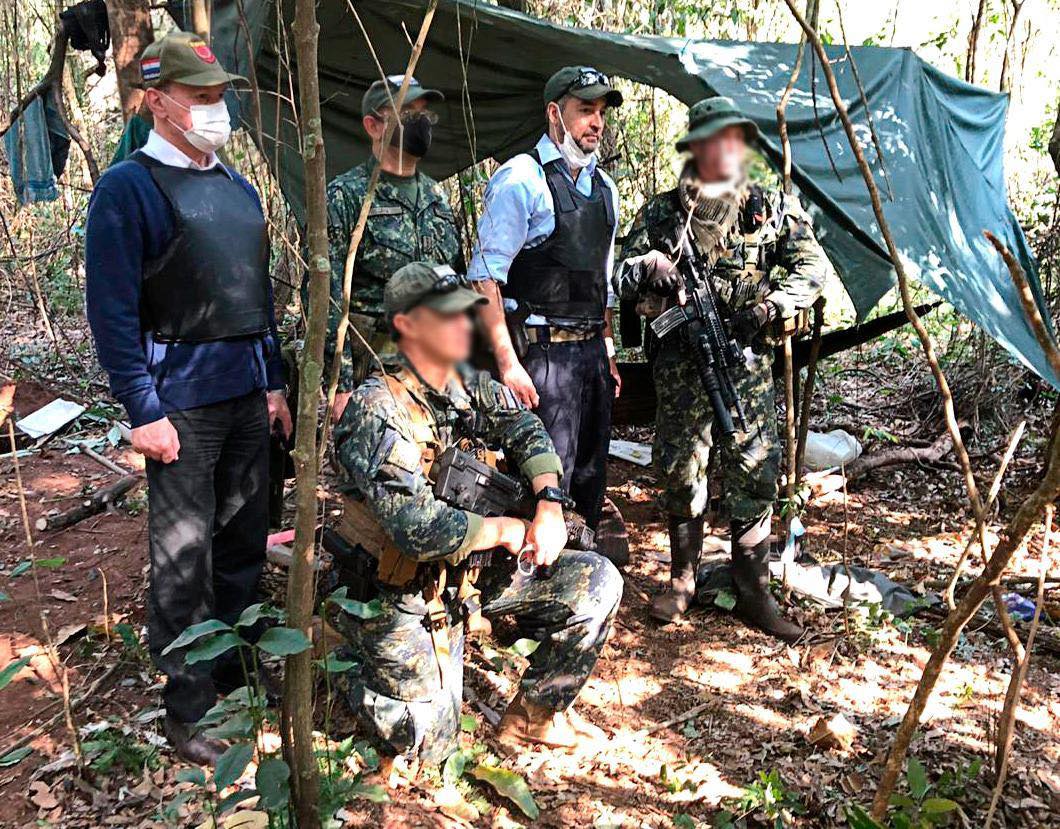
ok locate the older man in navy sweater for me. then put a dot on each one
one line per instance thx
(180, 306)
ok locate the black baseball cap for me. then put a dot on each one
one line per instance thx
(582, 82)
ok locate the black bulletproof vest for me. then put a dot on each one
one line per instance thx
(212, 280)
(565, 277)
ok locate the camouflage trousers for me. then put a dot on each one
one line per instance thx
(397, 690)
(685, 436)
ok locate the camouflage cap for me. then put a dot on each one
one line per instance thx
(433, 286)
(710, 116)
(382, 92)
(582, 82)
(182, 57)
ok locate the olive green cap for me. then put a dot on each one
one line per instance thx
(582, 82)
(416, 284)
(182, 57)
(382, 92)
(711, 115)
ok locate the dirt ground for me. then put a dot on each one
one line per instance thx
(695, 711)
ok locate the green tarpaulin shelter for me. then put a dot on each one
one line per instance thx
(942, 139)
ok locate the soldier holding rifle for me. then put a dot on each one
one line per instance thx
(720, 265)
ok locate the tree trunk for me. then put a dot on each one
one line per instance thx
(297, 728)
(130, 32)
(1010, 43)
(973, 42)
(1054, 142)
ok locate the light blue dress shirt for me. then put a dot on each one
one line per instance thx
(518, 213)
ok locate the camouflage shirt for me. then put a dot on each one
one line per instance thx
(379, 448)
(409, 221)
(782, 261)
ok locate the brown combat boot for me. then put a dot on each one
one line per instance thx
(750, 573)
(686, 545)
(526, 724)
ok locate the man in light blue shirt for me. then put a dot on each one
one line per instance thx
(543, 259)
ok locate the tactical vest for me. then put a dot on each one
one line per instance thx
(212, 280)
(565, 277)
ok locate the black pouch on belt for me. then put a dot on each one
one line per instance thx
(516, 322)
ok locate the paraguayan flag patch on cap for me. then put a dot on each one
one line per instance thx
(150, 68)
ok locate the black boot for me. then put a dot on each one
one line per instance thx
(750, 572)
(686, 545)
(191, 745)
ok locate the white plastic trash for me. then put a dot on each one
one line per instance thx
(831, 449)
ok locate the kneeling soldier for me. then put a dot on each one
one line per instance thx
(423, 401)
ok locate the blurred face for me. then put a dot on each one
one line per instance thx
(444, 339)
(375, 123)
(171, 104)
(722, 156)
(583, 119)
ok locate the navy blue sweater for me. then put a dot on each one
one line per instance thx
(129, 223)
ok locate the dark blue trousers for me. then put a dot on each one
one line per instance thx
(577, 391)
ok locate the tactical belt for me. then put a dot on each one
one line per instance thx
(553, 334)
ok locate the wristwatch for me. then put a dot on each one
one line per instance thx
(556, 495)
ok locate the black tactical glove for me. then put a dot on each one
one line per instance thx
(747, 323)
(660, 273)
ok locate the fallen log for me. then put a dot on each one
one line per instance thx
(95, 504)
(900, 455)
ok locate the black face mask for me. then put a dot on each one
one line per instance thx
(415, 137)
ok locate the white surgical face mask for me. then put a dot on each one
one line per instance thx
(210, 125)
(574, 155)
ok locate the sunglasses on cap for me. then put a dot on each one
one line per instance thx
(407, 116)
(587, 78)
(448, 281)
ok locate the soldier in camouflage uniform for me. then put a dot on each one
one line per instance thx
(768, 269)
(408, 689)
(410, 219)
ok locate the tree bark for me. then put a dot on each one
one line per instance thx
(899, 455)
(1004, 82)
(297, 729)
(130, 32)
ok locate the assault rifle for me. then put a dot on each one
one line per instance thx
(462, 480)
(699, 324)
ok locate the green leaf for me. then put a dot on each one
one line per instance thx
(213, 647)
(273, 782)
(684, 822)
(937, 806)
(239, 726)
(362, 610)
(510, 785)
(468, 723)
(11, 670)
(256, 612)
(858, 818)
(14, 757)
(368, 754)
(283, 641)
(20, 568)
(334, 665)
(50, 563)
(371, 792)
(524, 647)
(195, 775)
(231, 764)
(235, 799)
(195, 632)
(916, 777)
(725, 600)
(455, 764)
(4, 597)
